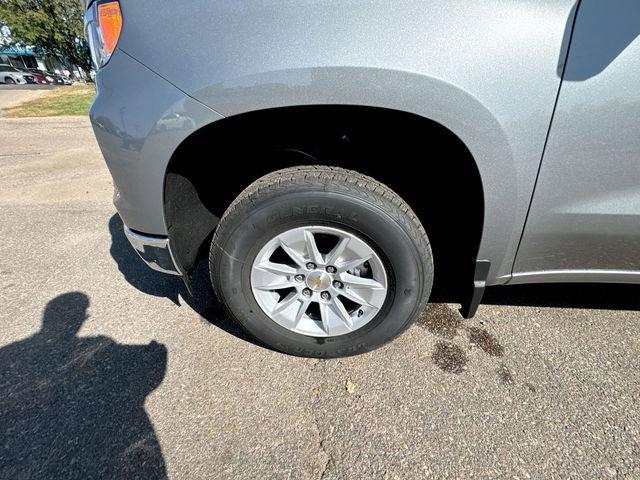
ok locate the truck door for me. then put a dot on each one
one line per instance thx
(584, 219)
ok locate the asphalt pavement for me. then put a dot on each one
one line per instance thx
(111, 370)
(12, 95)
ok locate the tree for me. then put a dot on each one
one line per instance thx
(53, 27)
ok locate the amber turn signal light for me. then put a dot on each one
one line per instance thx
(110, 22)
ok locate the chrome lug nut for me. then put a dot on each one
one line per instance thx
(299, 278)
(311, 266)
(331, 269)
(337, 284)
(306, 292)
(325, 296)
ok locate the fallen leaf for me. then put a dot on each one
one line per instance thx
(350, 386)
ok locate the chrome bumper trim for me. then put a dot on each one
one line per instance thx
(155, 251)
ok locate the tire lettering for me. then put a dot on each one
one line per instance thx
(312, 210)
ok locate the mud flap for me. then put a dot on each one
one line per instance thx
(469, 309)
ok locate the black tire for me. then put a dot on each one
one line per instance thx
(314, 195)
(9, 81)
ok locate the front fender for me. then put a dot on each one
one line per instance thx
(428, 97)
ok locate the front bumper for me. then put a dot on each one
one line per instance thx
(154, 250)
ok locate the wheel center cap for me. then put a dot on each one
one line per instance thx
(318, 281)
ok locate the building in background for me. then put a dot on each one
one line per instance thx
(26, 57)
(22, 58)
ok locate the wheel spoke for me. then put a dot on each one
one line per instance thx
(351, 264)
(355, 297)
(338, 307)
(334, 255)
(304, 305)
(365, 296)
(312, 249)
(273, 276)
(361, 282)
(293, 254)
(279, 269)
(286, 302)
(276, 285)
(325, 312)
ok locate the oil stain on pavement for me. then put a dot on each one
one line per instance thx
(450, 357)
(442, 321)
(484, 340)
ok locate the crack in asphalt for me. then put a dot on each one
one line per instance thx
(322, 451)
(28, 154)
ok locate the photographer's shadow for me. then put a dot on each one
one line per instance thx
(73, 407)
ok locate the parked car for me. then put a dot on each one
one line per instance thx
(12, 75)
(343, 156)
(54, 78)
(39, 77)
(64, 79)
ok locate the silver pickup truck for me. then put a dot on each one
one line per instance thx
(336, 161)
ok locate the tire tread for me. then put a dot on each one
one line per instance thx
(335, 179)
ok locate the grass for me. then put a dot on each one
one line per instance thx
(61, 101)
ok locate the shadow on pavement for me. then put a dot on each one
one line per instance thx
(562, 295)
(203, 301)
(136, 272)
(73, 407)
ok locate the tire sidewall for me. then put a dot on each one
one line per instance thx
(409, 278)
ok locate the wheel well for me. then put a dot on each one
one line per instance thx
(424, 162)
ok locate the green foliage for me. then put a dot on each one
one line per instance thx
(54, 27)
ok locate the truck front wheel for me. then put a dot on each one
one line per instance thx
(321, 262)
